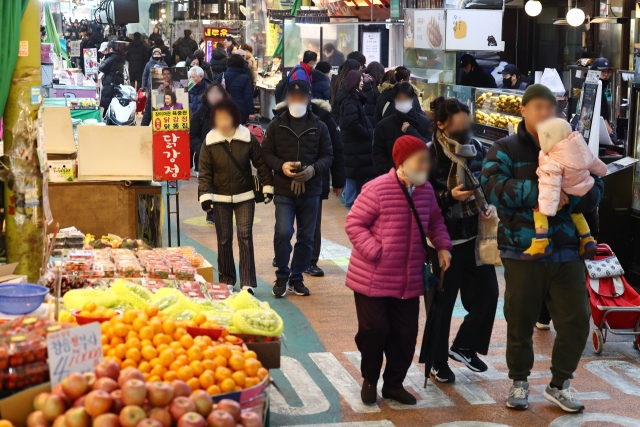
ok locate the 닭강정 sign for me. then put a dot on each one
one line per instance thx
(171, 156)
(74, 350)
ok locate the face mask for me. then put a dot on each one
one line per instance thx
(415, 178)
(404, 106)
(461, 136)
(297, 110)
(506, 83)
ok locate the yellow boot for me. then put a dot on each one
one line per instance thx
(588, 248)
(539, 248)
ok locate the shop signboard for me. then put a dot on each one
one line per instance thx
(171, 156)
(166, 120)
(46, 49)
(215, 33)
(75, 48)
(395, 8)
(273, 35)
(91, 63)
(371, 46)
(74, 350)
(474, 30)
(408, 27)
(428, 28)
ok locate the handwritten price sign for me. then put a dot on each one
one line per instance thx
(74, 350)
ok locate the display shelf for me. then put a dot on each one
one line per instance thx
(495, 110)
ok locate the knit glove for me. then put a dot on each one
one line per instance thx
(207, 205)
(305, 174)
(297, 187)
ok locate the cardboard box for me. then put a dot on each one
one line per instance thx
(58, 130)
(17, 408)
(268, 353)
(7, 276)
(206, 271)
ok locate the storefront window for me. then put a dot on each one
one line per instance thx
(300, 38)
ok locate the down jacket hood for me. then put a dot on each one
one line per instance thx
(218, 54)
(388, 86)
(321, 106)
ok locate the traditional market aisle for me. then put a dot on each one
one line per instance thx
(319, 382)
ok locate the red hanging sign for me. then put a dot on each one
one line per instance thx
(171, 156)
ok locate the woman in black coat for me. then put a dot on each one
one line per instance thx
(337, 92)
(405, 121)
(239, 85)
(112, 66)
(372, 76)
(356, 133)
(384, 104)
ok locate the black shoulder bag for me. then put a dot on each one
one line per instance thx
(429, 281)
(258, 191)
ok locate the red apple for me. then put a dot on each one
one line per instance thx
(37, 418)
(116, 395)
(134, 392)
(75, 385)
(108, 368)
(98, 402)
(57, 390)
(129, 374)
(203, 401)
(59, 422)
(91, 378)
(192, 419)
(106, 420)
(39, 400)
(231, 406)
(131, 416)
(220, 418)
(79, 401)
(149, 422)
(250, 419)
(160, 394)
(53, 406)
(105, 383)
(161, 415)
(180, 388)
(77, 417)
(180, 406)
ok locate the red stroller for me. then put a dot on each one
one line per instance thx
(615, 305)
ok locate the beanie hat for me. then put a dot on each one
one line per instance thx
(156, 50)
(404, 147)
(538, 91)
(551, 132)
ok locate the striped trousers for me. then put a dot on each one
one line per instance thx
(223, 214)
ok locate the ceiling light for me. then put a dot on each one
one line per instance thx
(575, 17)
(162, 10)
(164, 16)
(533, 7)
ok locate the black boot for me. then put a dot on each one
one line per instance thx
(368, 393)
(400, 395)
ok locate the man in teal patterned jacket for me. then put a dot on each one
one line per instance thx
(511, 184)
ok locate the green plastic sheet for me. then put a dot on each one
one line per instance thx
(52, 34)
(11, 12)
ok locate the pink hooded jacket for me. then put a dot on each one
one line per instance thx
(567, 166)
(387, 255)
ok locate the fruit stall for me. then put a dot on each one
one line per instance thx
(170, 348)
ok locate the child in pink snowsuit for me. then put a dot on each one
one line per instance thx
(565, 164)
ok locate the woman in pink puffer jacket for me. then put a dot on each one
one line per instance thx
(565, 164)
(385, 270)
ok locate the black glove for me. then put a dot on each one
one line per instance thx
(207, 205)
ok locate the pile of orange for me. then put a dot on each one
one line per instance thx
(200, 320)
(160, 347)
(90, 309)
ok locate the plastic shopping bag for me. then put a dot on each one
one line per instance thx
(487, 251)
(552, 80)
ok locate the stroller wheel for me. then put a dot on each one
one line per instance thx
(597, 341)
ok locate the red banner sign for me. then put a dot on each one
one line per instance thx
(171, 156)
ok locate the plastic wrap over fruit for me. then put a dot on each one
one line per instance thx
(243, 300)
(224, 318)
(258, 322)
(76, 298)
(130, 293)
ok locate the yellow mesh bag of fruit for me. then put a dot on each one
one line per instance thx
(164, 292)
(243, 301)
(132, 294)
(258, 321)
(76, 298)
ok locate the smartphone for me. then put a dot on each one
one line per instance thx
(470, 188)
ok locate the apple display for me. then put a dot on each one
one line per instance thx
(220, 418)
(161, 415)
(180, 406)
(75, 385)
(161, 394)
(77, 417)
(37, 418)
(131, 416)
(98, 402)
(53, 406)
(106, 420)
(203, 401)
(108, 368)
(192, 419)
(129, 374)
(105, 383)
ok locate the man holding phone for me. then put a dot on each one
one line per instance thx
(298, 148)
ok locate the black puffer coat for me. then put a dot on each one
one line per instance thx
(220, 179)
(200, 125)
(385, 97)
(322, 109)
(370, 90)
(136, 54)
(458, 228)
(389, 130)
(206, 67)
(357, 135)
(218, 62)
(311, 147)
(112, 67)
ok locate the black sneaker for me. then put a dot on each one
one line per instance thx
(273, 263)
(399, 395)
(442, 372)
(315, 271)
(279, 288)
(368, 393)
(469, 358)
(299, 288)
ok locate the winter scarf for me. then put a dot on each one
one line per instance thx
(459, 154)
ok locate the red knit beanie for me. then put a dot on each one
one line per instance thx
(404, 147)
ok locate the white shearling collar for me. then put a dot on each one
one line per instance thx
(242, 134)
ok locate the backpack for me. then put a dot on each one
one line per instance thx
(184, 50)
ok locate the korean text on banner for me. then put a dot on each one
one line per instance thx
(171, 156)
(164, 120)
(74, 350)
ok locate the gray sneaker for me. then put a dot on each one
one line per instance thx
(518, 395)
(563, 398)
